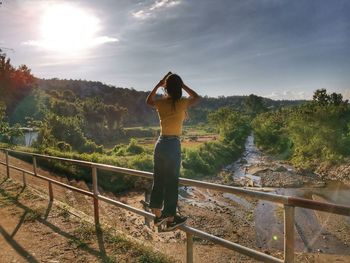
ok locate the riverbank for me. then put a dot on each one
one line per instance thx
(339, 172)
(255, 168)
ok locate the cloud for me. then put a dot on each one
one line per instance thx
(103, 39)
(89, 43)
(289, 95)
(156, 6)
(346, 94)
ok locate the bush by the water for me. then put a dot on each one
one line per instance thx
(210, 157)
(316, 132)
(131, 149)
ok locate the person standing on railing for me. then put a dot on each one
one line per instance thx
(172, 109)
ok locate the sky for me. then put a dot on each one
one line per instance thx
(273, 48)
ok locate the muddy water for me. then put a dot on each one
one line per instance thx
(310, 234)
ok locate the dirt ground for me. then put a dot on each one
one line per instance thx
(36, 230)
(50, 237)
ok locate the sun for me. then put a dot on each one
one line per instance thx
(66, 28)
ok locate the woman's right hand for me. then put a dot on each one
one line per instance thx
(162, 81)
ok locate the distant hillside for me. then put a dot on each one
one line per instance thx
(134, 101)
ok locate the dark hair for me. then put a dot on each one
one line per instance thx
(174, 87)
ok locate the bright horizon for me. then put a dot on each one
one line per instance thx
(276, 49)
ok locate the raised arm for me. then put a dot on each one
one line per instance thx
(151, 97)
(194, 97)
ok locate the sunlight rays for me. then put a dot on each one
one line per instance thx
(69, 31)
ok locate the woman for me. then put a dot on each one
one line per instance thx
(167, 153)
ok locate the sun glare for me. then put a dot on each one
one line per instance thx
(65, 28)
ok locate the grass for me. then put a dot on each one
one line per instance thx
(64, 212)
(142, 128)
(85, 231)
(77, 243)
(188, 142)
(196, 131)
(119, 244)
(33, 215)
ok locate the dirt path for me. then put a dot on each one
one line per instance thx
(35, 230)
(28, 228)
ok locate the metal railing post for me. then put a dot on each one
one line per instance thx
(7, 164)
(189, 248)
(50, 192)
(288, 234)
(96, 193)
(147, 200)
(24, 179)
(34, 166)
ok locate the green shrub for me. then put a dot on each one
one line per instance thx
(63, 146)
(143, 162)
(134, 148)
(313, 133)
(91, 147)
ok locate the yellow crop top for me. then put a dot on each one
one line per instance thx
(171, 119)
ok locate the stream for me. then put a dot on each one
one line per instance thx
(311, 234)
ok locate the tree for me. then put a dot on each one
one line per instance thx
(232, 125)
(336, 99)
(321, 97)
(254, 105)
(4, 126)
(114, 116)
(15, 83)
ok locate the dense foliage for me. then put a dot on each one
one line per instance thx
(318, 131)
(83, 121)
(233, 128)
(139, 114)
(15, 83)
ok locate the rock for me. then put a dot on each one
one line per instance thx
(338, 172)
(178, 235)
(281, 169)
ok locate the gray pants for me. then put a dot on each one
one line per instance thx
(167, 161)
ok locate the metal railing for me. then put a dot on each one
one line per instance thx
(288, 202)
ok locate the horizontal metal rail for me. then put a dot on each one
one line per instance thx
(289, 203)
(320, 206)
(230, 245)
(79, 190)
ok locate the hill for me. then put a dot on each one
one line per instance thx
(139, 114)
